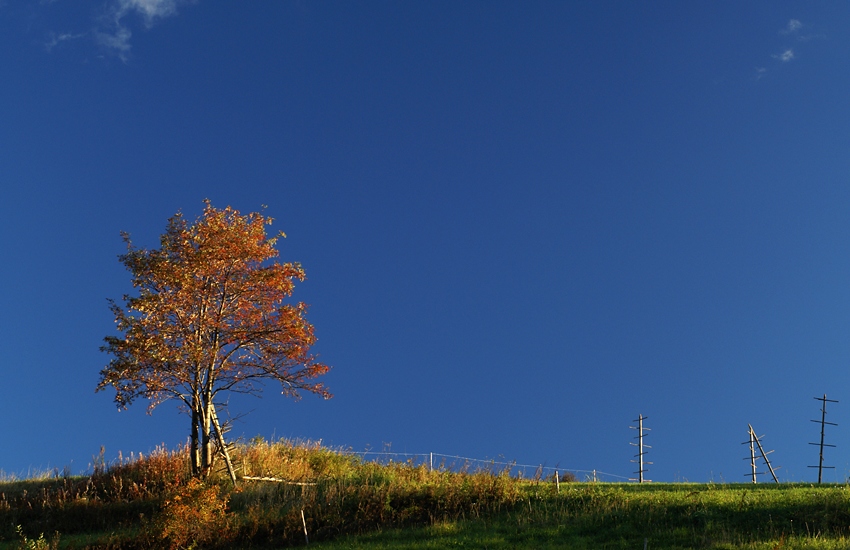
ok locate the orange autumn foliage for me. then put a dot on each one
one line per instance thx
(211, 316)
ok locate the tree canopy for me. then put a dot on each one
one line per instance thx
(211, 316)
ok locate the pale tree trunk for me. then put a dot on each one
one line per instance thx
(206, 441)
(194, 450)
(195, 457)
(207, 417)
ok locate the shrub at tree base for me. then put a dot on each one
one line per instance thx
(196, 514)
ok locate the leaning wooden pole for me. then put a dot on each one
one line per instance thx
(763, 454)
(223, 447)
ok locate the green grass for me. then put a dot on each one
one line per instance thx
(150, 503)
(665, 515)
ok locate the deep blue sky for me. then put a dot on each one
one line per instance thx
(523, 223)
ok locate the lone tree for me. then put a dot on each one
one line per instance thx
(210, 317)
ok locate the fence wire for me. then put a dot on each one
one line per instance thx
(455, 463)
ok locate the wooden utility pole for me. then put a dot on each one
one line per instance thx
(641, 446)
(764, 454)
(755, 442)
(821, 445)
(752, 452)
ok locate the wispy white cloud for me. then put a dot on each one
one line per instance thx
(151, 10)
(792, 30)
(114, 31)
(117, 41)
(56, 39)
(785, 56)
(793, 26)
(796, 28)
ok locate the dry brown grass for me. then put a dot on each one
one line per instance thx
(150, 501)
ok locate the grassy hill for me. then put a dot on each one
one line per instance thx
(149, 502)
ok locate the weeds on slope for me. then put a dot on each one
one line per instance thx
(151, 502)
(114, 497)
(346, 495)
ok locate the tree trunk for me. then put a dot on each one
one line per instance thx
(197, 425)
(194, 450)
(206, 440)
